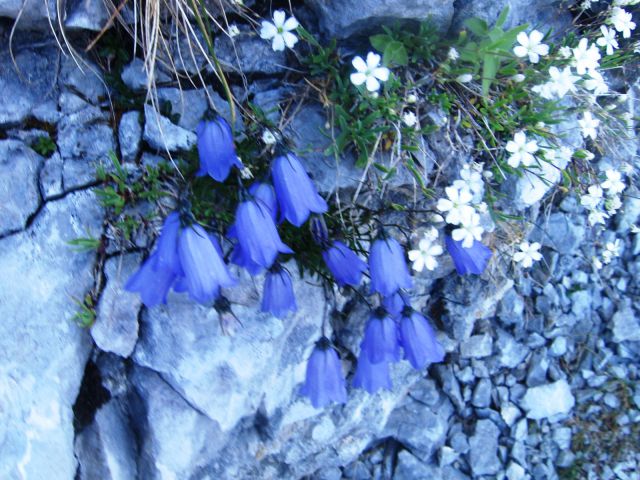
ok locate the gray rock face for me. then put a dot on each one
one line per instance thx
(83, 80)
(129, 136)
(626, 326)
(563, 233)
(107, 448)
(25, 92)
(42, 352)
(344, 18)
(161, 134)
(548, 400)
(483, 456)
(34, 14)
(134, 75)
(87, 15)
(116, 326)
(19, 194)
(51, 176)
(249, 54)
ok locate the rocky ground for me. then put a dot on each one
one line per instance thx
(541, 374)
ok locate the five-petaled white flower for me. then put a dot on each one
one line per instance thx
(457, 205)
(470, 179)
(613, 184)
(521, 150)
(280, 31)
(608, 39)
(622, 21)
(268, 137)
(562, 81)
(233, 31)
(425, 255)
(409, 119)
(453, 54)
(586, 57)
(529, 253)
(369, 72)
(531, 45)
(596, 83)
(593, 198)
(589, 125)
(597, 217)
(469, 229)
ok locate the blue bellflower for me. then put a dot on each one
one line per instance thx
(468, 260)
(264, 195)
(388, 267)
(324, 381)
(295, 191)
(167, 245)
(419, 340)
(396, 302)
(257, 234)
(204, 269)
(371, 376)
(216, 149)
(344, 264)
(381, 342)
(278, 297)
(151, 282)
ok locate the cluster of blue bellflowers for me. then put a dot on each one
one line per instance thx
(188, 258)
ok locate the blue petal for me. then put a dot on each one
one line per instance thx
(265, 196)
(371, 376)
(167, 246)
(347, 268)
(381, 342)
(388, 267)
(419, 341)
(277, 296)
(151, 282)
(216, 149)
(472, 260)
(324, 382)
(295, 191)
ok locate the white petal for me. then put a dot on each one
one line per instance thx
(289, 39)
(520, 51)
(534, 57)
(418, 264)
(381, 73)
(291, 24)
(523, 39)
(468, 241)
(372, 84)
(358, 78)
(373, 60)
(458, 234)
(431, 263)
(444, 205)
(268, 30)
(279, 17)
(278, 43)
(414, 255)
(358, 64)
(536, 36)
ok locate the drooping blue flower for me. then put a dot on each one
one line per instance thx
(278, 297)
(381, 341)
(216, 149)
(371, 376)
(204, 269)
(324, 381)
(296, 194)
(264, 194)
(419, 340)
(387, 267)
(396, 302)
(151, 282)
(257, 234)
(344, 264)
(167, 245)
(468, 260)
(239, 258)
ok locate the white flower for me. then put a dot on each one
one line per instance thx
(425, 255)
(597, 217)
(589, 125)
(369, 72)
(596, 83)
(280, 31)
(453, 54)
(521, 150)
(411, 98)
(614, 247)
(635, 229)
(410, 119)
(613, 204)
(593, 198)
(562, 81)
(246, 173)
(586, 57)
(431, 234)
(622, 21)
(471, 180)
(588, 156)
(469, 230)
(613, 184)
(482, 207)
(234, 31)
(597, 264)
(565, 52)
(531, 45)
(268, 137)
(457, 205)
(518, 78)
(608, 39)
(545, 90)
(529, 253)
(464, 78)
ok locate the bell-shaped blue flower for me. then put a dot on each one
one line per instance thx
(167, 246)
(278, 297)
(239, 258)
(344, 264)
(204, 269)
(419, 340)
(468, 260)
(324, 381)
(216, 149)
(257, 234)
(264, 195)
(371, 376)
(388, 267)
(296, 194)
(396, 302)
(381, 341)
(151, 282)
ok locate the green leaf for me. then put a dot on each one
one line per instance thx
(380, 42)
(489, 70)
(502, 17)
(395, 53)
(477, 26)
